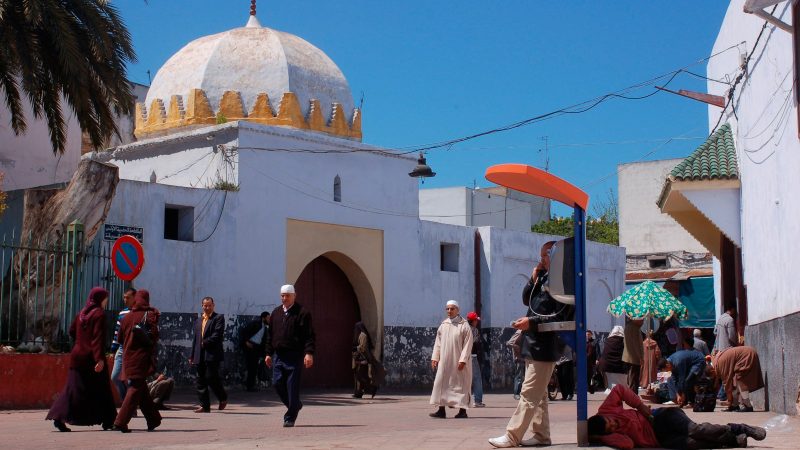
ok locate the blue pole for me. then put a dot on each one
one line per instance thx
(580, 322)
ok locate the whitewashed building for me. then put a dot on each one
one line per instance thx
(737, 193)
(249, 172)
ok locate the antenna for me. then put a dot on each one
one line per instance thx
(546, 153)
(149, 81)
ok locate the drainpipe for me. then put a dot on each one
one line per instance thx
(477, 272)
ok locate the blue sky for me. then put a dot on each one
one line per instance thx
(430, 71)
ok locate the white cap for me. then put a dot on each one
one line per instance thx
(287, 289)
(453, 302)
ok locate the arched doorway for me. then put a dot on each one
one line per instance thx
(326, 292)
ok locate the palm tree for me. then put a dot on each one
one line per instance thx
(65, 50)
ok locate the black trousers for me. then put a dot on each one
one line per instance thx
(634, 375)
(286, 374)
(208, 377)
(566, 379)
(674, 429)
(251, 360)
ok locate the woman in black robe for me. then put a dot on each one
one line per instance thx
(87, 398)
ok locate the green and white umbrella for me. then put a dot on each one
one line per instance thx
(647, 300)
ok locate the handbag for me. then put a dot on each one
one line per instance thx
(142, 333)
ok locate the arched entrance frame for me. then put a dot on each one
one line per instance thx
(359, 254)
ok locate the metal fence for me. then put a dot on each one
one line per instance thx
(45, 284)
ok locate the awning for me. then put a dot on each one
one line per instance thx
(697, 294)
(702, 192)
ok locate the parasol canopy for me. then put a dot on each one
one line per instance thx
(647, 300)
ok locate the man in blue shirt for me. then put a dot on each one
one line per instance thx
(127, 300)
(686, 366)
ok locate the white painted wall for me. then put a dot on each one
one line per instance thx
(242, 264)
(510, 258)
(643, 229)
(768, 151)
(28, 160)
(474, 207)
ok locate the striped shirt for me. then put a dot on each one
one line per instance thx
(115, 342)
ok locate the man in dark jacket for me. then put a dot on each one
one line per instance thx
(540, 352)
(253, 340)
(292, 342)
(207, 355)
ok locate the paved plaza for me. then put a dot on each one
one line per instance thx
(395, 420)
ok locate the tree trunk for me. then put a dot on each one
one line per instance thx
(41, 277)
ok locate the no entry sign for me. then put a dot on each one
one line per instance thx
(127, 257)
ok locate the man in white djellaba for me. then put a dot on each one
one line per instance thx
(451, 361)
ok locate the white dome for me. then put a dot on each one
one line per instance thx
(252, 60)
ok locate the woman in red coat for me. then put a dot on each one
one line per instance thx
(138, 335)
(87, 397)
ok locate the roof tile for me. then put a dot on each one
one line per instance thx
(714, 159)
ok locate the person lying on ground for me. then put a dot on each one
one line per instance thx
(619, 427)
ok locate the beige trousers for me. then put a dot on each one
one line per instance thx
(531, 410)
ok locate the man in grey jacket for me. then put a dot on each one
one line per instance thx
(725, 330)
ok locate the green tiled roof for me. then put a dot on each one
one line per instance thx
(715, 159)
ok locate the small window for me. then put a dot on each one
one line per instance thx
(657, 262)
(179, 223)
(337, 189)
(449, 257)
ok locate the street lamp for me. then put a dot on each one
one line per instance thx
(422, 170)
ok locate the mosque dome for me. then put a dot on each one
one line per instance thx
(251, 73)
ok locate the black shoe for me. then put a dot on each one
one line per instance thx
(61, 427)
(439, 414)
(731, 409)
(357, 395)
(122, 428)
(288, 423)
(108, 426)
(153, 426)
(745, 409)
(756, 433)
(462, 414)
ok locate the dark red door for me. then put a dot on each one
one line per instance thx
(326, 292)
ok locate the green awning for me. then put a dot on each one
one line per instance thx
(698, 296)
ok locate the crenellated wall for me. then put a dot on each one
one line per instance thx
(196, 110)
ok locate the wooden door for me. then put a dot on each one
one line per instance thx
(326, 292)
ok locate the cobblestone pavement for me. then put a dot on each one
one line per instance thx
(332, 420)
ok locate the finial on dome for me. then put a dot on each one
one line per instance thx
(253, 22)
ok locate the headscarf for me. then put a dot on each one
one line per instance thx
(141, 300)
(617, 331)
(96, 297)
(361, 328)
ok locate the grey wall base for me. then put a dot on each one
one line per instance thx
(778, 346)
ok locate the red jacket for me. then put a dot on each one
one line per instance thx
(138, 361)
(635, 429)
(90, 339)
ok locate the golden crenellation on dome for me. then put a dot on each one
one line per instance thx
(158, 119)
